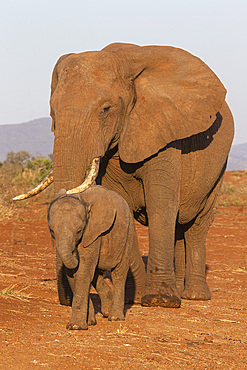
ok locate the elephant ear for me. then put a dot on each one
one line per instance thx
(101, 214)
(61, 193)
(176, 96)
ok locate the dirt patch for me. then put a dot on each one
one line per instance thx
(198, 335)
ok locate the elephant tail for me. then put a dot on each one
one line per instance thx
(136, 279)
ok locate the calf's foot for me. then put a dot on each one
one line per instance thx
(91, 320)
(106, 302)
(77, 325)
(116, 315)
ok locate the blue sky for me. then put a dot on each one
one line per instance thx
(34, 33)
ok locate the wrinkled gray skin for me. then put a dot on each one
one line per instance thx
(94, 231)
(157, 117)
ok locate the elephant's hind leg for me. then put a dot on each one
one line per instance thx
(195, 271)
(91, 319)
(195, 245)
(104, 291)
(179, 258)
(161, 182)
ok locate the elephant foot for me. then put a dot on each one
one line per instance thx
(138, 298)
(133, 292)
(196, 292)
(76, 325)
(91, 319)
(106, 302)
(116, 316)
(135, 296)
(129, 288)
(161, 300)
(66, 303)
(162, 295)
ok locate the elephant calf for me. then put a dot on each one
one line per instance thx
(94, 231)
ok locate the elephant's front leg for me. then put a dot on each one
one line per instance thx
(162, 193)
(82, 307)
(79, 315)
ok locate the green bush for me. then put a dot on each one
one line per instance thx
(18, 173)
(34, 171)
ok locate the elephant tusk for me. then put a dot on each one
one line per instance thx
(41, 186)
(49, 179)
(91, 177)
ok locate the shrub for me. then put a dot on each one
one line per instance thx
(19, 173)
(233, 195)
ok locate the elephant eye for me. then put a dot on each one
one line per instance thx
(78, 234)
(105, 110)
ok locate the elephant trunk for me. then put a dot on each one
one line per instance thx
(75, 146)
(69, 163)
(65, 253)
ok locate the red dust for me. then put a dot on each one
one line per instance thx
(200, 335)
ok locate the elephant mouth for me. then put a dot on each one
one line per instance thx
(89, 180)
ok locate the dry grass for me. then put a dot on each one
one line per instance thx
(234, 193)
(122, 330)
(11, 292)
(15, 180)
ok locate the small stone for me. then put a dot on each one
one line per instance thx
(208, 339)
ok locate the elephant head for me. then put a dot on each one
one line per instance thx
(141, 98)
(80, 218)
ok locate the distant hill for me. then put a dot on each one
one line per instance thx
(238, 158)
(36, 138)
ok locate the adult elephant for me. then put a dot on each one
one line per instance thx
(157, 118)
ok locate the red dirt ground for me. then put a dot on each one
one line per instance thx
(199, 335)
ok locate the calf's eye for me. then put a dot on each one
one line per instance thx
(106, 109)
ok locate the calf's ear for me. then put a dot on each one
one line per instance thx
(101, 217)
(61, 193)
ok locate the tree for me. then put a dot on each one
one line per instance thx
(19, 158)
